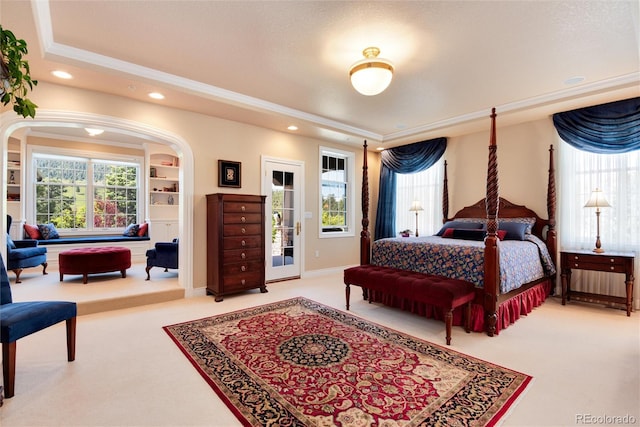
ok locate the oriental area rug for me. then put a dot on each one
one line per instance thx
(300, 363)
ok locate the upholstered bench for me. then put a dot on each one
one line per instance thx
(442, 292)
(87, 261)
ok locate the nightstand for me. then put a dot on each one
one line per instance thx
(613, 262)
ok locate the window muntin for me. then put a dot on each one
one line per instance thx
(336, 192)
(85, 193)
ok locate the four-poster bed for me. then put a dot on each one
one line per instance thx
(502, 293)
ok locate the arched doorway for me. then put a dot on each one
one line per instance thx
(10, 123)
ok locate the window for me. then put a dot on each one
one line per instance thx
(426, 188)
(337, 180)
(617, 175)
(88, 193)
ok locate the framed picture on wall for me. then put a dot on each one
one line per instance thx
(228, 173)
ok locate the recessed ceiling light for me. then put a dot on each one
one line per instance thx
(380, 148)
(62, 74)
(156, 95)
(293, 127)
(574, 80)
(94, 131)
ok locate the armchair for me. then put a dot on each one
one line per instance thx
(23, 254)
(164, 254)
(19, 319)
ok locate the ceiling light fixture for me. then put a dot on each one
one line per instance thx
(156, 95)
(94, 131)
(372, 75)
(62, 74)
(293, 127)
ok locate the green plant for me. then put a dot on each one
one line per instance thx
(15, 78)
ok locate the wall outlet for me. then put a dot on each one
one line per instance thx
(317, 254)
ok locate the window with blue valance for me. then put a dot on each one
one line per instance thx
(406, 159)
(605, 129)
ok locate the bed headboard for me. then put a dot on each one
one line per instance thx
(506, 209)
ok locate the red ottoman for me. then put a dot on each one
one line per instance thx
(87, 261)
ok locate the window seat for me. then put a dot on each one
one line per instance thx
(90, 239)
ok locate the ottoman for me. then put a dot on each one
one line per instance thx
(87, 261)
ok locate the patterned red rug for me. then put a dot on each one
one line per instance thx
(301, 363)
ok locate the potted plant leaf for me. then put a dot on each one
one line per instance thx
(15, 77)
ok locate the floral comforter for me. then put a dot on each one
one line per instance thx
(520, 261)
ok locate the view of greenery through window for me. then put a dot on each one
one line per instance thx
(334, 193)
(68, 199)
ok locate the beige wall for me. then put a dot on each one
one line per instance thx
(523, 163)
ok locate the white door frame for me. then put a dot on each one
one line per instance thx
(298, 208)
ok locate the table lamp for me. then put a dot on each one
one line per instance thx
(597, 200)
(415, 207)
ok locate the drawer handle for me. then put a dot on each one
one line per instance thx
(243, 219)
(243, 230)
(612, 260)
(612, 267)
(243, 281)
(575, 265)
(242, 208)
(243, 255)
(243, 243)
(575, 257)
(243, 268)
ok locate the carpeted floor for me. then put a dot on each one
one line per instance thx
(128, 373)
(299, 362)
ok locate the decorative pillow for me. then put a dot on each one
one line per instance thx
(131, 230)
(459, 225)
(530, 222)
(10, 242)
(32, 231)
(48, 231)
(464, 233)
(502, 234)
(142, 230)
(515, 230)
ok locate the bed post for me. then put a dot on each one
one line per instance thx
(445, 196)
(365, 237)
(551, 239)
(491, 251)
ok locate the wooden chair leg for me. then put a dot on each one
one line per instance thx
(147, 270)
(9, 368)
(71, 339)
(448, 318)
(44, 267)
(17, 272)
(467, 325)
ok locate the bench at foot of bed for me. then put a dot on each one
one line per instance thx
(442, 292)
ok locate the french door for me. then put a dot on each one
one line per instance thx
(282, 183)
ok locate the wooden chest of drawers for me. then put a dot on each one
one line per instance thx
(235, 243)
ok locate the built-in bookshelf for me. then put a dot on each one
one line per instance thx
(14, 176)
(164, 180)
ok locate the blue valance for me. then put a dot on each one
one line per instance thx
(406, 159)
(606, 129)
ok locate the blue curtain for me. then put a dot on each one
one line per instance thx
(410, 158)
(604, 129)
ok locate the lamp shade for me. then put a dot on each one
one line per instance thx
(415, 206)
(372, 75)
(597, 200)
